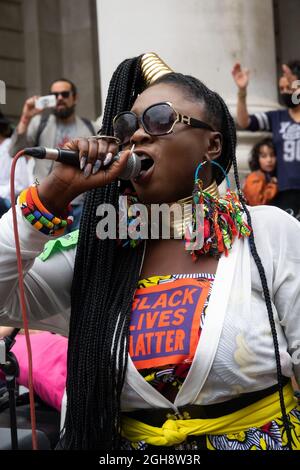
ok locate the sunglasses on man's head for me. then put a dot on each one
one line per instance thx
(64, 94)
(158, 119)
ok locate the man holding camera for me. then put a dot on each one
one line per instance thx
(41, 125)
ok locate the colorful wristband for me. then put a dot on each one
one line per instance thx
(38, 215)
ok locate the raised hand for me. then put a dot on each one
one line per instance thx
(288, 74)
(240, 76)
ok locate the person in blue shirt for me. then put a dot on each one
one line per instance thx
(285, 126)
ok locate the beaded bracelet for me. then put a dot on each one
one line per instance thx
(37, 215)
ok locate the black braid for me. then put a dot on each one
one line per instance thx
(105, 279)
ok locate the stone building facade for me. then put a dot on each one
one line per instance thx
(84, 40)
(41, 40)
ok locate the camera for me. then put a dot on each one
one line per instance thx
(47, 101)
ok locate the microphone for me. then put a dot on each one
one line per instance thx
(71, 158)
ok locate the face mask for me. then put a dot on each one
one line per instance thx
(287, 100)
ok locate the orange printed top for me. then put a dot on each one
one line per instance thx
(168, 314)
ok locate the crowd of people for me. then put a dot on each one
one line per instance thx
(166, 349)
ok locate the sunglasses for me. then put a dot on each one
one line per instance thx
(158, 119)
(64, 94)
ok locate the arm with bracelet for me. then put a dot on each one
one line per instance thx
(43, 214)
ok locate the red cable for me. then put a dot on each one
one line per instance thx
(22, 299)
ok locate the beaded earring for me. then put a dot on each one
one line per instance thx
(222, 219)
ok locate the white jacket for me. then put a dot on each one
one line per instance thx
(235, 353)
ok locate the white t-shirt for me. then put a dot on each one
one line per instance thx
(23, 174)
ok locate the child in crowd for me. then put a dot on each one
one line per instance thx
(261, 184)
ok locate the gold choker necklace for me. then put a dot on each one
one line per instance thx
(212, 189)
(179, 220)
(210, 230)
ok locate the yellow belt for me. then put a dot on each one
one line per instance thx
(176, 431)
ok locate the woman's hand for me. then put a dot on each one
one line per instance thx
(240, 76)
(66, 182)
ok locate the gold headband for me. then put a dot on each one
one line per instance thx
(153, 67)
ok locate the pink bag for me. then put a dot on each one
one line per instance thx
(49, 358)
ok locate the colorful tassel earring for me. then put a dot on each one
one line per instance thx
(222, 219)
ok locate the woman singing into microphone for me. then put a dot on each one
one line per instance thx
(168, 347)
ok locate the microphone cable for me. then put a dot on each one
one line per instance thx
(23, 298)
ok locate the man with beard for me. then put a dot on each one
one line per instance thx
(52, 128)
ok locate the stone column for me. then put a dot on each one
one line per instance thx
(60, 40)
(80, 53)
(11, 58)
(200, 38)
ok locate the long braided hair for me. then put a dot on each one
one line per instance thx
(105, 279)
(104, 283)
